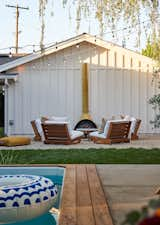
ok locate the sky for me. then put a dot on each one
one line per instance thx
(58, 26)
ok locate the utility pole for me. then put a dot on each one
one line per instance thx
(17, 7)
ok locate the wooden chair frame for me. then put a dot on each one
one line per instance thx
(58, 134)
(37, 136)
(134, 135)
(118, 133)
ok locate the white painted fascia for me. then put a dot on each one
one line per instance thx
(9, 77)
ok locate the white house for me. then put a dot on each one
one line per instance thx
(49, 83)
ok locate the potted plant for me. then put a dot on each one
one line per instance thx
(148, 215)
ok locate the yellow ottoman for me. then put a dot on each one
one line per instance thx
(14, 141)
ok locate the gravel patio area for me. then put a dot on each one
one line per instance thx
(145, 141)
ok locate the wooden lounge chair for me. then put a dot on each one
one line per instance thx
(37, 136)
(58, 133)
(134, 135)
(117, 132)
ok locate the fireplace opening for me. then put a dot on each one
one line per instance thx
(85, 124)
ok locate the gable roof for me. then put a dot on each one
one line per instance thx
(60, 46)
(5, 58)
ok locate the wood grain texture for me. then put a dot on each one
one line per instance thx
(83, 200)
(58, 134)
(37, 136)
(117, 133)
(100, 207)
(68, 204)
(84, 204)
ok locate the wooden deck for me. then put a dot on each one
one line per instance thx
(83, 199)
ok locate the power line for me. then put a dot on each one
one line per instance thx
(17, 7)
(54, 43)
(126, 28)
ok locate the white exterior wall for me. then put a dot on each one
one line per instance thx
(119, 82)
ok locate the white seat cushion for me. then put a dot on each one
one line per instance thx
(76, 134)
(97, 134)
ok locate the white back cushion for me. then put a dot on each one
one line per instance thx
(38, 125)
(39, 128)
(62, 119)
(55, 122)
(106, 128)
(127, 118)
(133, 124)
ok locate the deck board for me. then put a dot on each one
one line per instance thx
(101, 210)
(68, 204)
(83, 199)
(84, 208)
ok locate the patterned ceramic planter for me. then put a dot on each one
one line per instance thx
(24, 197)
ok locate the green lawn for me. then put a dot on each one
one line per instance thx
(95, 156)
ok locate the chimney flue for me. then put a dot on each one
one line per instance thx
(85, 107)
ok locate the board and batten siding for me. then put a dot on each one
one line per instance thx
(119, 83)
